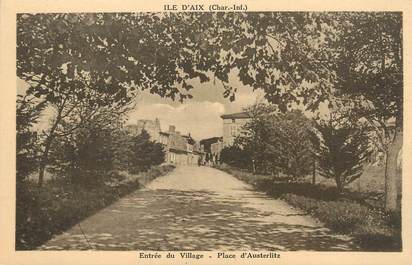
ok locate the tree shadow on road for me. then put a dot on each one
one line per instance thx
(194, 220)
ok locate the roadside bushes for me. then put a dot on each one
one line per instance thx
(235, 156)
(373, 229)
(370, 228)
(278, 186)
(44, 211)
(304, 189)
(341, 216)
(153, 173)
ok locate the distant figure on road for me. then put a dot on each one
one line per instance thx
(217, 160)
(199, 161)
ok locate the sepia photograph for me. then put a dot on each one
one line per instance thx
(209, 131)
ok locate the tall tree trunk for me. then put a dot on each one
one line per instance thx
(391, 172)
(47, 146)
(339, 184)
(44, 158)
(273, 181)
(314, 172)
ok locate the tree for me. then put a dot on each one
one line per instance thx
(278, 141)
(100, 60)
(69, 57)
(291, 137)
(343, 150)
(303, 58)
(352, 59)
(86, 153)
(123, 151)
(145, 153)
(254, 138)
(27, 114)
(235, 156)
(376, 75)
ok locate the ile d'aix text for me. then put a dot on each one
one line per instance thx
(214, 7)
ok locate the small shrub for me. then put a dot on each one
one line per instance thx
(394, 219)
(154, 172)
(306, 204)
(342, 216)
(235, 156)
(381, 232)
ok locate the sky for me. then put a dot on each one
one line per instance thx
(199, 116)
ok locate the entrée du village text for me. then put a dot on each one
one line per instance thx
(219, 255)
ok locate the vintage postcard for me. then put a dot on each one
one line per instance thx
(205, 133)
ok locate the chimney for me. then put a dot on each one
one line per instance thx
(172, 128)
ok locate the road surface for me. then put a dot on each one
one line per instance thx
(199, 208)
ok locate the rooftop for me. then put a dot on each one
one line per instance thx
(239, 115)
(211, 140)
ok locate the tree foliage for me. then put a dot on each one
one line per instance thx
(291, 135)
(295, 57)
(27, 114)
(87, 153)
(101, 60)
(343, 151)
(145, 153)
(341, 58)
(370, 67)
(255, 137)
(278, 142)
(235, 156)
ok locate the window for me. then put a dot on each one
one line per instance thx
(233, 130)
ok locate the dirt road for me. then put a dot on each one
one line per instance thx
(199, 208)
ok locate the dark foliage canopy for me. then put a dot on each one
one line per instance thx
(145, 153)
(301, 57)
(342, 151)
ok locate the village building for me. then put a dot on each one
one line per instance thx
(212, 148)
(150, 126)
(232, 126)
(180, 149)
(216, 148)
(183, 149)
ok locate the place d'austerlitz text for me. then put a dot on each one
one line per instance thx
(219, 255)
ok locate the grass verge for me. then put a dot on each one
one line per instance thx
(371, 227)
(58, 205)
